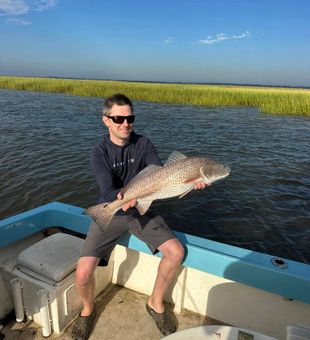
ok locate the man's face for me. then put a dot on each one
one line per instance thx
(119, 132)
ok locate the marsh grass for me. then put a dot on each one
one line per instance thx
(267, 99)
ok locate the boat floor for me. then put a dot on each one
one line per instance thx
(121, 314)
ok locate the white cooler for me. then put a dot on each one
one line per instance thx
(43, 287)
(218, 332)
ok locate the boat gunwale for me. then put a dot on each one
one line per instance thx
(233, 263)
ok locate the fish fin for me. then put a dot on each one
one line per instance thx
(149, 169)
(143, 173)
(169, 191)
(143, 206)
(193, 180)
(101, 214)
(175, 156)
(186, 192)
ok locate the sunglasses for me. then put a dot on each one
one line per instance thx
(121, 119)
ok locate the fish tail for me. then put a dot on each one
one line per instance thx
(101, 214)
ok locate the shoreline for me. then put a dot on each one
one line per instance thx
(271, 100)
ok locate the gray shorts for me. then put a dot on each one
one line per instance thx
(150, 228)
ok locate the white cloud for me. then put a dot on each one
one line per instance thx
(168, 41)
(43, 5)
(242, 35)
(13, 7)
(220, 37)
(17, 21)
(165, 41)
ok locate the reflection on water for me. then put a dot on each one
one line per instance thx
(264, 205)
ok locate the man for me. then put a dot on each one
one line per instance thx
(115, 161)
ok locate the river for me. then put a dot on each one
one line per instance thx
(264, 205)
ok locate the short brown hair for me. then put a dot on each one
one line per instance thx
(118, 99)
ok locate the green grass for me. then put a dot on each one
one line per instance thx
(267, 99)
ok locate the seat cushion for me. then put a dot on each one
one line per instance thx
(52, 258)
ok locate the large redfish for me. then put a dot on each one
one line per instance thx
(176, 178)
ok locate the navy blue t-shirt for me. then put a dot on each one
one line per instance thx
(114, 166)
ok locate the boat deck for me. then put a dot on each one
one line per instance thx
(121, 314)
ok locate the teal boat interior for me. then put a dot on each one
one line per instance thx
(283, 277)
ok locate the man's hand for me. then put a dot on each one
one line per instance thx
(129, 204)
(201, 185)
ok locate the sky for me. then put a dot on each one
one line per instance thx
(265, 42)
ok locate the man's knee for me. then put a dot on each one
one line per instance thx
(84, 272)
(83, 275)
(173, 250)
(179, 253)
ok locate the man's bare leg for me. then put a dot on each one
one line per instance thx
(173, 253)
(85, 283)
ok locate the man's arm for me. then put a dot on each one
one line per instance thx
(151, 157)
(103, 175)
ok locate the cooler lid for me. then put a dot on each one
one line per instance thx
(214, 332)
(53, 258)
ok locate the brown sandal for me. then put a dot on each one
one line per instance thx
(83, 326)
(164, 323)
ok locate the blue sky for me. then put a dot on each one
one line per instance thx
(249, 41)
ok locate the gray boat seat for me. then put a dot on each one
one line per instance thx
(51, 259)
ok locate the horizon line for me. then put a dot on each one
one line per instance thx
(165, 82)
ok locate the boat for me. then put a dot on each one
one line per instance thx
(250, 295)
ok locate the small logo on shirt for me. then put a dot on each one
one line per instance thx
(116, 165)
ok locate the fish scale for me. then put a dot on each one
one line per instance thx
(176, 178)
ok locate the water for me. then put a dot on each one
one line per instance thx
(264, 205)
